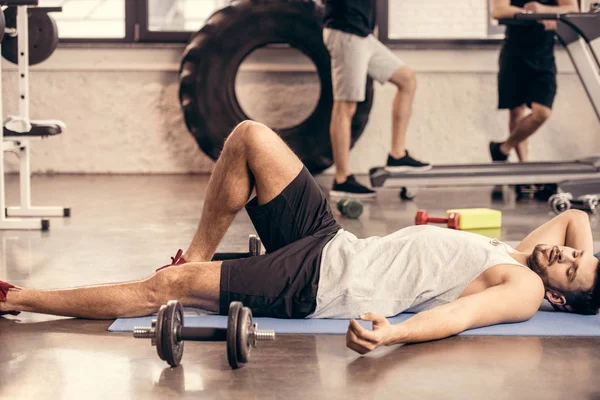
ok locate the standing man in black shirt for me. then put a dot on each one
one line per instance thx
(527, 75)
(356, 53)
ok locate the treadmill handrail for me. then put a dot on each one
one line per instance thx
(536, 16)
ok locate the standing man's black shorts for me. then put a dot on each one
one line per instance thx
(294, 228)
(526, 77)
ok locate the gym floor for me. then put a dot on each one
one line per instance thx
(124, 227)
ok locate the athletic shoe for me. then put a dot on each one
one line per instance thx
(177, 260)
(3, 292)
(405, 164)
(496, 153)
(351, 188)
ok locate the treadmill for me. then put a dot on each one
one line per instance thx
(580, 34)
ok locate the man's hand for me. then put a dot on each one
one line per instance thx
(534, 7)
(362, 340)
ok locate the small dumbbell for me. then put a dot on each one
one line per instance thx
(350, 208)
(254, 249)
(452, 220)
(168, 333)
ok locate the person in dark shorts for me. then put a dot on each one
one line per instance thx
(356, 53)
(527, 74)
(453, 280)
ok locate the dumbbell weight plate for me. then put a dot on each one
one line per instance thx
(254, 245)
(171, 326)
(351, 208)
(244, 331)
(232, 331)
(158, 331)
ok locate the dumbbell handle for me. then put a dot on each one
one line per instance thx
(202, 334)
(218, 334)
(438, 220)
(230, 256)
(187, 333)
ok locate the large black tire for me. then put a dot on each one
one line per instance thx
(212, 58)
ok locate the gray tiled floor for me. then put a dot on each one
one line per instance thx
(123, 227)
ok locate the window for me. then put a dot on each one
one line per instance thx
(89, 19)
(180, 15)
(400, 21)
(437, 20)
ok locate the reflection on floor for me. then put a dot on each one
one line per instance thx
(123, 227)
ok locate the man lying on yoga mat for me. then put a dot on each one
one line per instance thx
(454, 280)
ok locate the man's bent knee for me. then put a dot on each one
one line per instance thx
(541, 113)
(248, 134)
(181, 282)
(405, 79)
(245, 129)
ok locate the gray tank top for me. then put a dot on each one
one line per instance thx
(412, 270)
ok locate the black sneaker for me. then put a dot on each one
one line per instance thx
(496, 153)
(405, 164)
(351, 188)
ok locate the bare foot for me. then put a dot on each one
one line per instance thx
(3, 306)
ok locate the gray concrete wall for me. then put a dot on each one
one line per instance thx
(122, 112)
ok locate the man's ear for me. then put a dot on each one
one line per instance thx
(555, 297)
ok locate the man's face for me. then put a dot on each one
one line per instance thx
(564, 268)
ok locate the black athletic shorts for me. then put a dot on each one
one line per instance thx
(294, 227)
(525, 77)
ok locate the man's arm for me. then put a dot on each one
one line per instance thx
(571, 228)
(503, 9)
(516, 300)
(564, 6)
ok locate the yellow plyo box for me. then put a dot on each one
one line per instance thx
(477, 218)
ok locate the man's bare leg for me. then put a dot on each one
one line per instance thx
(526, 127)
(193, 284)
(515, 117)
(253, 155)
(340, 130)
(406, 82)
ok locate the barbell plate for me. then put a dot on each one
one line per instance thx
(232, 331)
(172, 323)
(42, 32)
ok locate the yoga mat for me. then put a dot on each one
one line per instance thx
(543, 323)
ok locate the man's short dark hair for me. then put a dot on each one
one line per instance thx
(585, 302)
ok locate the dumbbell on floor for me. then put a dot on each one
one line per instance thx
(168, 333)
(351, 208)
(254, 249)
(453, 219)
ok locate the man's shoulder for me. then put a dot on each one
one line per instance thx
(520, 290)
